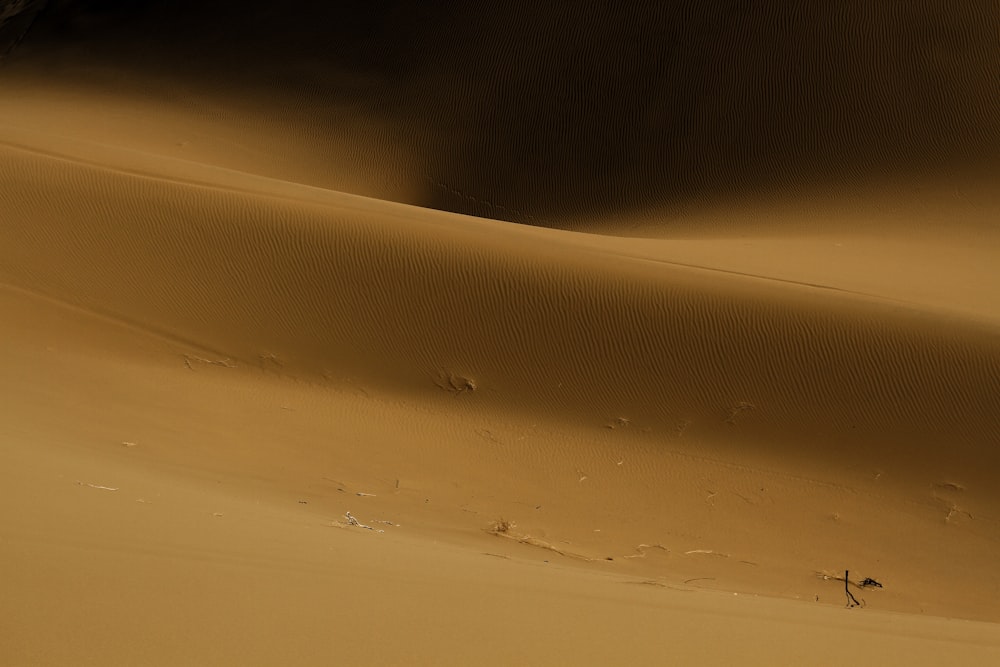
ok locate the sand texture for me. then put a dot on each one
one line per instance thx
(535, 335)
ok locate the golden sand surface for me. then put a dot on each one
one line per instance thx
(444, 335)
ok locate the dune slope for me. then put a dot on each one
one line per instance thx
(284, 376)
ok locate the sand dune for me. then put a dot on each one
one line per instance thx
(515, 310)
(732, 352)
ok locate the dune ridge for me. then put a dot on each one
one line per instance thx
(658, 342)
(593, 111)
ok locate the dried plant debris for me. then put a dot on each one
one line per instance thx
(862, 584)
(501, 526)
(353, 521)
(505, 528)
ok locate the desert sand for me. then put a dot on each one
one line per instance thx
(515, 336)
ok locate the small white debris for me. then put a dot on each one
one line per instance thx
(351, 521)
(710, 552)
(97, 486)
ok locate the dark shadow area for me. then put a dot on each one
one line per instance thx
(16, 19)
(561, 111)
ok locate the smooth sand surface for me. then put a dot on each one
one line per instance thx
(443, 337)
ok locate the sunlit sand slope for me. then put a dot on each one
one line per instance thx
(282, 377)
(329, 283)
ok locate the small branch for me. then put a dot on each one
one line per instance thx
(851, 600)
